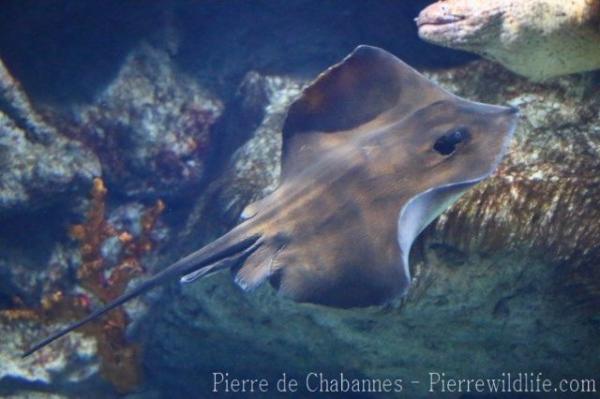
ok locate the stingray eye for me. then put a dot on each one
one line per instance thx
(446, 144)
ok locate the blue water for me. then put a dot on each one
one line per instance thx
(158, 100)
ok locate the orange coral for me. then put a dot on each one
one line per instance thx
(119, 359)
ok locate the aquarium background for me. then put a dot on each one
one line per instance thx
(133, 132)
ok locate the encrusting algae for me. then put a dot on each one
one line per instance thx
(119, 360)
(541, 220)
(542, 200)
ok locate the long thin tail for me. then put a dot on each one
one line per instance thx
(208, 258)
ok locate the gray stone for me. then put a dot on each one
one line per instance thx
(151, 127)
(253, 169)
(38, 166)
(53, 366)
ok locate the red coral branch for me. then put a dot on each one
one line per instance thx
(120, 360)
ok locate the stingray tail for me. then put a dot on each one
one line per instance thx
(219, 254)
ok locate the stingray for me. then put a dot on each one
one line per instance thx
(372, 153)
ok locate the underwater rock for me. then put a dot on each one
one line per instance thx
(14, 102)
(26, 275)
(213, 327)
(538, 39)
(52, 367)
(64, 372)
(151, 127)
(255, 166)
(493, 286)
(253, 169)
(37, 164)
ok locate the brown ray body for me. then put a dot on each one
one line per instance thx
(372, 153)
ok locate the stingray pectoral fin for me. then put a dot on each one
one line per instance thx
(205, 271)
(421, 210)
(224, 263)
(258, 267)
(368, 89)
